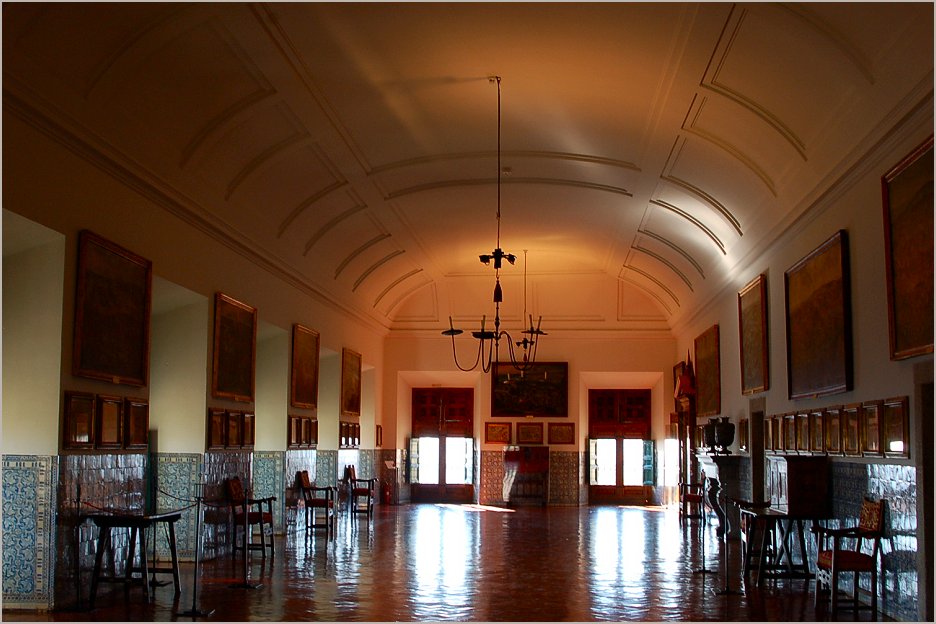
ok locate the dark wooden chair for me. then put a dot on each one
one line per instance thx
(692, 502)
(319, 504)
(833, 561)
(362, 493)
(248, 513)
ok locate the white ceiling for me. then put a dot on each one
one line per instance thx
(652, 149)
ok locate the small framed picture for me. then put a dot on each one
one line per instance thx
(776, 432)
(894, 428)
(561, 433)
(234, 433)
(79, 420)
(871, 428)
(216, 428)
(529, 433)
(802, 433)
(816, 432)
(768, 434)
(851, 430)
(497, 433)
(249, 430)
(833, 430)
(109, 423)
(136, 423)
(789, 433)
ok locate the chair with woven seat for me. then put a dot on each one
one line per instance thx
(362, 491)
(247, 513)
(832, 562)
(319, 504)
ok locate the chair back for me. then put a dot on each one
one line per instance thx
(303, 478)
(235, 489)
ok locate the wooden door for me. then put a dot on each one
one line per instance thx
(443, 423)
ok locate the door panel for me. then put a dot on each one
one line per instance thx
(442, 448)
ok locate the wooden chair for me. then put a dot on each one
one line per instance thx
(692, 502)
(362, 491)
(831, 562)
(318, 501)
(248, 513)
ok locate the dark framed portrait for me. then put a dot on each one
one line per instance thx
(768, 434)
(529, 433)
(350, 383)
(543, 390)
(235, 349)
(560, 433)
(818, 321)
(776, 428)
(112, 312)
(305, 367)
(217, 428)
(752, 326)
(497, 432)
(708, 373)
(136, 423)
(908, 250)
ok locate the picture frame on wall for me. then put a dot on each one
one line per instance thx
(216, 428)
(776, 426)
(497, 432)
(560, 433)
(112, 312)
(871, 428)
(894, 427)
(743, 435)
(136, 423)
(541, 391)
(802, 433)
(249, 430)
(303, 388)
(234, 350)
(708, 373)
(768, 435)
(350, 382)
(818, 321)
(529, 433)
(109, 422)
(234, 430)
(78, 429)
(817, 432)
(907, 191)
(833, 430)
(851, 430)
(752, 327)
(789, 433)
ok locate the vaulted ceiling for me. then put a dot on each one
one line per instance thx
(649, 151)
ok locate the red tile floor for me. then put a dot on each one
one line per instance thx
(470, 563)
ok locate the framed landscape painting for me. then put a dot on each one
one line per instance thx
(752, 325)
(908, 246)
(818, 321)
(529, 433)
(561, 433)
(543, 390)
(708, 373)
(112, 312)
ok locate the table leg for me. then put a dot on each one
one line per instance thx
(143, 563)
(175, 559)
(103, 539)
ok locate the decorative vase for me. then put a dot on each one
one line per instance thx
(724, 435)
(708, 436)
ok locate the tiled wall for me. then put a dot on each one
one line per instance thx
(176, 485)
(492, 471)
(29, 515)
(269, 479)
(565, 481)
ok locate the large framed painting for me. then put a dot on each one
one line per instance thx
(908, 244)
(752, 326)
(708, 373)
(818, 321)
(543, 390)
(350, 383)
(305, 367)
(235, 350)
(112, 312)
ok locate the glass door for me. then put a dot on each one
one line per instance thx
(442, 449)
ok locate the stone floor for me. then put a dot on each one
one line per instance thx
(472, 563)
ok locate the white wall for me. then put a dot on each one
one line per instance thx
(32, 349)
(272, 390)
(179, 378)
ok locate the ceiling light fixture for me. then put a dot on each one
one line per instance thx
(488, 340)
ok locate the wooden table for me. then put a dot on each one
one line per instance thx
(137, 523)
(785, 526)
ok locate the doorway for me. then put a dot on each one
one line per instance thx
(622, 462)
(442, 446)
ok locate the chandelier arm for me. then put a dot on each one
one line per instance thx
(459, 366)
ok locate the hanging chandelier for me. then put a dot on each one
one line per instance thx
(522, 352)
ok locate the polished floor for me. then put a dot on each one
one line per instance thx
(472, 563)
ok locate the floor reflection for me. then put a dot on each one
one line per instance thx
(475, 563)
